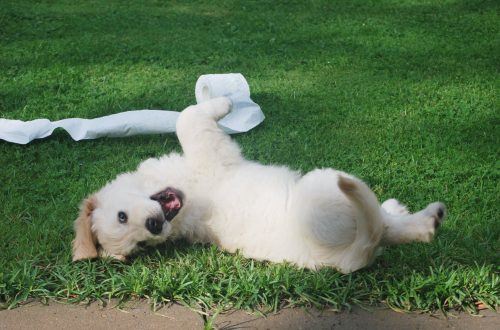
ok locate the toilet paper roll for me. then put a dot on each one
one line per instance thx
(233, 85)
(245, 115)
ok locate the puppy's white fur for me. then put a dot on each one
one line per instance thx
(324, 218)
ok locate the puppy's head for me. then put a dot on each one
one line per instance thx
(122, 217)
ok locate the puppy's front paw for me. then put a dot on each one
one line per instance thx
(218, 107)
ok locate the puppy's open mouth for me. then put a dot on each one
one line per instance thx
(170, 201)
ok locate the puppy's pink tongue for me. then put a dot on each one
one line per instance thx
(172, 201)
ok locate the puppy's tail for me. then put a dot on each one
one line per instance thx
(369, 222)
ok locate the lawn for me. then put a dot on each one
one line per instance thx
(402, 93)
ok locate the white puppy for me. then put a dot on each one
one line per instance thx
(211, 194)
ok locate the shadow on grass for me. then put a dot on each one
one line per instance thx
(428, 40)
(167, 250)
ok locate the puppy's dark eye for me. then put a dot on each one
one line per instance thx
(122, 217)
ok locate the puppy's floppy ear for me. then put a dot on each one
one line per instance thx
(84, 244)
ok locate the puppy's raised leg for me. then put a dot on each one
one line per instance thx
(402, 227)
(205, 145)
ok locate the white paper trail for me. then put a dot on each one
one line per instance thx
(245, 115)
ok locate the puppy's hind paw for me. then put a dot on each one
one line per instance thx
(437, 211)
(435, 214)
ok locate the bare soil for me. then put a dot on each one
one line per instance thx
(139, 315)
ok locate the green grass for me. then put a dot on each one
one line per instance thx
(403, 94)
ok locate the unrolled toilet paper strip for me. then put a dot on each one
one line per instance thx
(245, 115)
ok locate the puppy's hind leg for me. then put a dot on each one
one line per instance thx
(341, 218)
(402, 227)
(394, 207)
(204, 144)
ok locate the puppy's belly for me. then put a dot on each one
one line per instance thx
(251, 213)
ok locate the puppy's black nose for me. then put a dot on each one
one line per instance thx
(154, 225)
